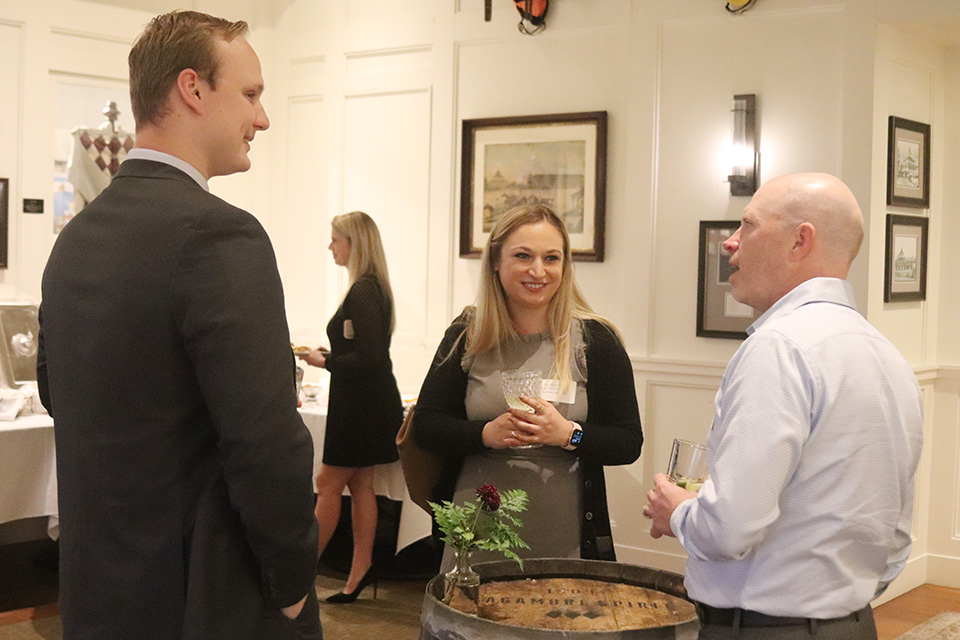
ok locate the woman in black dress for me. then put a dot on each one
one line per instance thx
(364, 411)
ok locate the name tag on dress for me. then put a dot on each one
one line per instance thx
(348, 329)
(550, 391)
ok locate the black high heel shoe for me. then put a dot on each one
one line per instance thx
(346, 598)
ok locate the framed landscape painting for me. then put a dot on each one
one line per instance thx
(557, 160)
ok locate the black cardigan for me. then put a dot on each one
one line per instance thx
(611, 433)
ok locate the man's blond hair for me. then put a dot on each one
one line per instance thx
(171, 43)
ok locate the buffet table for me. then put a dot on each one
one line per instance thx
(387, 480)
(28, 464)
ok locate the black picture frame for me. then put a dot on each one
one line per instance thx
(719, 315)
(558, 159)
(908, 163)
(905, 259)
(4, 221)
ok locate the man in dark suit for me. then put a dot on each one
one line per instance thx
(184, 469)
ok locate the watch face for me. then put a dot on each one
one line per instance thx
(577, 436)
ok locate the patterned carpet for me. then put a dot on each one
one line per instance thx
(943, 626)
(395, 614)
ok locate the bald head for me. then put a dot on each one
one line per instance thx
(825, 202)
(797, 227)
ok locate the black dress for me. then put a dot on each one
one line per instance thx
(364, 411)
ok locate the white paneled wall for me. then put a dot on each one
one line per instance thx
(386, 174)
(909, 84)
(943, 534)
(671, 393)
(789, 59)
(306, 231)
(11, 52)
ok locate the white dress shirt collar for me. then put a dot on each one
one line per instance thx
(832, 290)
(159, 156)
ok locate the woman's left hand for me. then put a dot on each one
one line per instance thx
(544, 426)
(317, 357)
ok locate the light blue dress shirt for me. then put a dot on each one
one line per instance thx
(159, 156)
(812, 456)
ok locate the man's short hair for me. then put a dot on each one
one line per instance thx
(171, 43)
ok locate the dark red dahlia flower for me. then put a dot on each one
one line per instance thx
(489, 497)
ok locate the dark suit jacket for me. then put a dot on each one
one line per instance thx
(184, 469)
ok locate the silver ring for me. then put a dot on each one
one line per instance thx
(513, 434)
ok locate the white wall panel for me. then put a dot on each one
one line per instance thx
(389, 61)
(528, 76)
(309, 74)
(948, 348)
(791, 61)
(373, 24)
(386, 171)
(676, 406)
(942, 447)
(11, 49)
(87, 53)
(909, 78)
(304, 227)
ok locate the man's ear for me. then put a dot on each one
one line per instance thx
(191, 89)
(805, 237)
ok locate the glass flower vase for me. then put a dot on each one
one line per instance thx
(461, 578)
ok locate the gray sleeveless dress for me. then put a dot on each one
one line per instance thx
(549, 475)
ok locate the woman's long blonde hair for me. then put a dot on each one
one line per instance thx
(489, 326)
(366, 252)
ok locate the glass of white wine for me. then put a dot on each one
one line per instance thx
(688, 465)
(518, 383)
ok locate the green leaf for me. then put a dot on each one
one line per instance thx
(468, 526)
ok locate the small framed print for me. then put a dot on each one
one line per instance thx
(719, 314)
(908, 163)
(558, 160)
(905, 259)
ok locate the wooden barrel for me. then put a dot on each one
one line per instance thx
(554, 598)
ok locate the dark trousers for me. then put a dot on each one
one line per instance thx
(857, 626)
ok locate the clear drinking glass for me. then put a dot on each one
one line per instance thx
(518, 383)
(688, 464)
(310, 392)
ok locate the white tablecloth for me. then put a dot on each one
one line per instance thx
(387, 480)
(28, 471)
(28, 474)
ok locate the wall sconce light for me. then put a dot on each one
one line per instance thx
(745, 155)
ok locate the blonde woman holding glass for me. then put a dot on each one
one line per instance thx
(530, 314)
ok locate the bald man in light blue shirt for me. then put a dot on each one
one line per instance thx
(815, 443)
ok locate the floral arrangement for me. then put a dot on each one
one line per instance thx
(484, 523)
